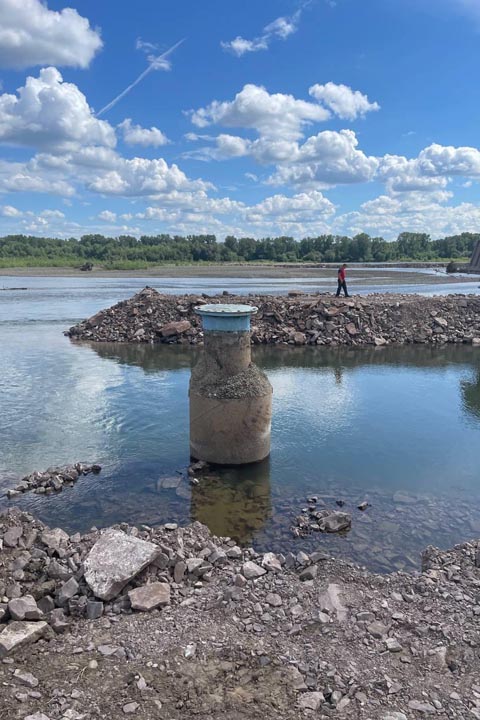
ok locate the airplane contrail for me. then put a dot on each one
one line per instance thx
(153, 66)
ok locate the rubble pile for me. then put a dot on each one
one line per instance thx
(174, 622)
(52, 480)
(321, 319)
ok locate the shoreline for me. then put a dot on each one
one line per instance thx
(201, 627)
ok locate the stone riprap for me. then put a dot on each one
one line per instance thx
(230, 632)
(115, 559)
(52, 480)
(297, 319)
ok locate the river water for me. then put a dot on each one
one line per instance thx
(397, 427)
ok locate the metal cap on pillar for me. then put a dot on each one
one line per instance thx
(230, 398)
(226, 317)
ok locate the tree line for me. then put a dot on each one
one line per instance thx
(129, 252)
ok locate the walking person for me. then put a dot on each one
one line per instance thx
(342, 283)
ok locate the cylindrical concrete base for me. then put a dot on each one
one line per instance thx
(230, 431)
(230, 398)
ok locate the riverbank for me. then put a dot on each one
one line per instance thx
(215, 270)
(229, 632)
(299, 319)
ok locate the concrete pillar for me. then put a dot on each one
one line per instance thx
(230, 398)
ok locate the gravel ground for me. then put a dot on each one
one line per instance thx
(258, 636)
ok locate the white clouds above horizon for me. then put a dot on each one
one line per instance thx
(299, 215)
(326, 159)
(74, 154)
(31, 34)
(413, 211)
(141, 177)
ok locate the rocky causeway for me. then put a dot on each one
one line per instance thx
(297, 319)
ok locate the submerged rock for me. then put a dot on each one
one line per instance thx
(335, 522)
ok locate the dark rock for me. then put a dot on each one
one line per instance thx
(94, 609)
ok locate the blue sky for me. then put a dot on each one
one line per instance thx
(271, 117)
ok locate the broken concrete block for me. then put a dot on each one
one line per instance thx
(150, 596)
(114, 560)
(19, 633)
(24, 608)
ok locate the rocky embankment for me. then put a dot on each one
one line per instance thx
(52, 480)
(171, 622)
(321, 319)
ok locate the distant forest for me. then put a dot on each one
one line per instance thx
(127, 252)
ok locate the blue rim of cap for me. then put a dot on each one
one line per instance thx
(226, 310)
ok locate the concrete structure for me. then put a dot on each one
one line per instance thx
(474, 266)
(230, 398)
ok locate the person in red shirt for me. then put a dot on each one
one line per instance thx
(342, 283)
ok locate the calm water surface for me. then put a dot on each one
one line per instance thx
(348, 425)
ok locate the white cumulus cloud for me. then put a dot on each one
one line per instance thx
(431, 170)
(31, 34)
(272, 115)
(107, 216)
(50, 113)
(413, 211)
(447, 160)
(348, 104)
(142, 177)
(329, 158)
(137, 135)
(323, 160)
(294, 209)
(10, 211)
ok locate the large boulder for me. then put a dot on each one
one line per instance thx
(114, 560)
(175, 328)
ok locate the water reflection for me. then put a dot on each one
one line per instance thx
(471, 396)
(351, 424)
(232, 504)
(151, 358)
(172, 357)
